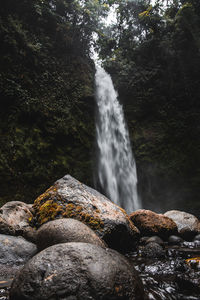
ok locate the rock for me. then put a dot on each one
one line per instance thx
(15, 250)
(14, 220)
(175, 240)
(188, 225)
(68, 198)
(197, 244)
(77, 271)
(194, 263)
(153, 250)
(149, 223)
(155, 239)
(65, 230)
(186, 283)
(197, 238)
(143, 240)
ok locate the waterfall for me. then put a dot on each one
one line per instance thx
(116, 169)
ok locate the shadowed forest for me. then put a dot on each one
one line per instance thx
(47, 94)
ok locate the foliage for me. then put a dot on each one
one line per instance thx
(46, 87)
(155, 63)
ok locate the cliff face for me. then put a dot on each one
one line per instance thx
(157, 77)
(46, 90)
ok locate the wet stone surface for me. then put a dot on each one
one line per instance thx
(4, 293)
(7, 273)
(171, 277)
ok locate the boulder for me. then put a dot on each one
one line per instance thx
(155, 239)
(152, 250)
(143, 240)
(77, 271)
(175, 240)
(65, 230)
(15, 250)
(194, 263)
(69, 198)
(14, 219)
(150, 223)
(188, 225)
(197, 238)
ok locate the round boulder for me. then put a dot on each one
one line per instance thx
(152, 250)
(155, 239)
(69, 198)
(14, 219)
(197, 238)
(150, 223)
(188, 225)
(143, 240)
(15, 250)
(175, 240)
(63, 231)
(77, 271)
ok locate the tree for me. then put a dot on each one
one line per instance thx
(46, 88)
(154, 63)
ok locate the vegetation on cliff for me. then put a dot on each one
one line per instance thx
(46, 90)
(153, 54)
(47, 93)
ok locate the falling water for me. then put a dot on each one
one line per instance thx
(116, 169)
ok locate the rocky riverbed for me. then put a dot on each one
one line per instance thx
(73, 243)
(172, 277)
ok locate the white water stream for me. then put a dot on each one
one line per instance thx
(116, 168)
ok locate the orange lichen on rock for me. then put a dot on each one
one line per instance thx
(195, 260)
(48, 194)
(77, 212)
(50, 205)
(119, 290)
(48, 211)
(47, 207)
(150, 223)
(68, 198)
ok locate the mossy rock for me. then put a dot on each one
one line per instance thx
(151, 223)
(69, 198)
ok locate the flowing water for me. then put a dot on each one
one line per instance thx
(116, 168)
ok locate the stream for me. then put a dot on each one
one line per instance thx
(170, 278)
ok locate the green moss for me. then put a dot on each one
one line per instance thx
(50, 206)
(48, 211)
(77, 212)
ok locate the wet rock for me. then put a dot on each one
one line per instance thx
(65, 230)
(153, 250)
(155, 239)
(149, 223)
(197, 238)
(197, 244)
(15, 250)
(187, 252)
(187, 224)
(180, 266)
(69, 198)
(187, 283)
(14, 220)
(77, 271)
(194, 263)
(175, 240)
(143, 240)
